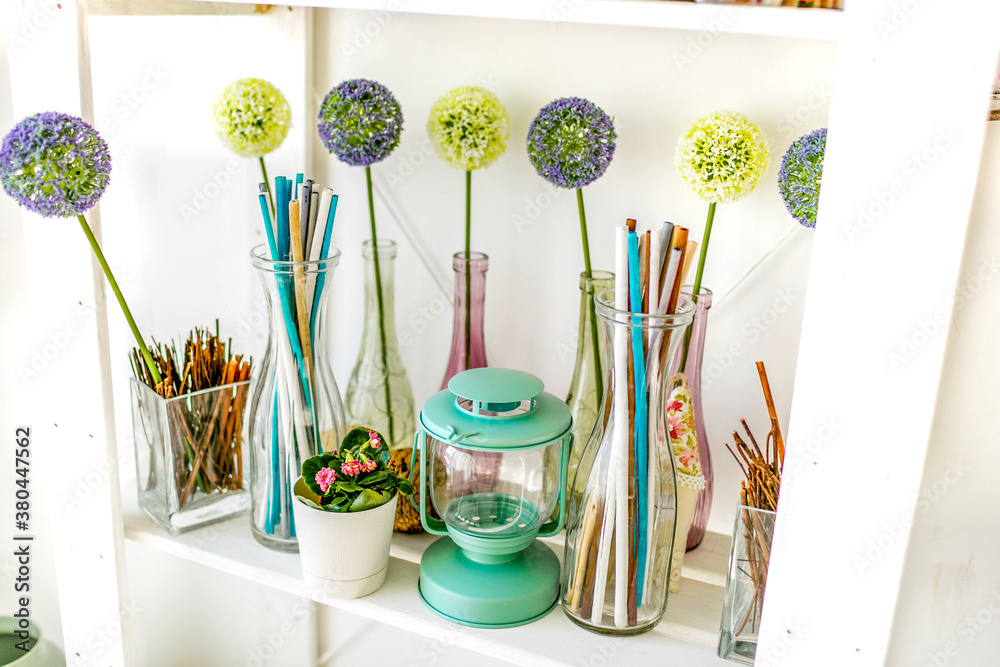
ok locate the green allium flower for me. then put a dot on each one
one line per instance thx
(722, 157)
(251, 117)
(469, 128)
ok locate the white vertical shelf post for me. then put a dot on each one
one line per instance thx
(73, 418)
(906, 130)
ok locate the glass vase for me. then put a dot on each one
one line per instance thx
(296, 410)
(468, 348)
(379, 394)
(744, 598)
(692, 370)
(623, 504)
(189, 453)
(583, 399)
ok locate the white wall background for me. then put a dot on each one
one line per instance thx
(655, 84)
(180, 269)
(950, 587)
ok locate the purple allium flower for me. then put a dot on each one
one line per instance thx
(54, 164)
(571, 142)
(800, 176)
(360, 121)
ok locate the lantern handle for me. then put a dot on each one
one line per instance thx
(430, 524)
(454, 437)
(553, 527)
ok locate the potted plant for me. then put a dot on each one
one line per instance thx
(347, 503)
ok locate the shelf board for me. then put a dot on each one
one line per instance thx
(815, 24)
(688, 631)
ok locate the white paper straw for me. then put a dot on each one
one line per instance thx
(619, 453)
(316, 243)
(652, 393)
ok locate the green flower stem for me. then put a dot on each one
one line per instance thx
(270, 195)
(699, 272)
(381, 309)
(468, 265)
(590, 299)
(121, 299)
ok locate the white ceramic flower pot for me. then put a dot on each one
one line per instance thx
(344, 554)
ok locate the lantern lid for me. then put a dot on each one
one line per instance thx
(495, 409)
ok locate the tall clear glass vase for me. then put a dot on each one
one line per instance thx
(583, 399)
(692, 370)
(296, 411)
(379, 395)
(623, 504)
(468, 347)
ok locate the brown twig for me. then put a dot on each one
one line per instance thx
(206, 441)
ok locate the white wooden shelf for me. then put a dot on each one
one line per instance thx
(817, 24)
(687, 635)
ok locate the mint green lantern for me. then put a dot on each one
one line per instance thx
(493, 451)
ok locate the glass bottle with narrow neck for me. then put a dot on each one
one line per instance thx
(468, 347)
(379, 395)
(583, 399)
(692, 370)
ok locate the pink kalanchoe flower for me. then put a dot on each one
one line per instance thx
(373, 439)
(325, 478)
(351, 467)
(368, 466)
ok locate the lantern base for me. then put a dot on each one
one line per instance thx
(499, 595)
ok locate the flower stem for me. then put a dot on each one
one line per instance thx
(121, 299)
(699, 272)
(598, 375)
(468, 266)
(381, 310)
(270, 195)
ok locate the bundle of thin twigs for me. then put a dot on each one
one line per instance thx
(762, 469)
(205, 428)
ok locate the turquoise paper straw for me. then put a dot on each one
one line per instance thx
(641, 413)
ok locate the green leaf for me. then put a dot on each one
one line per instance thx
(347, 487)
(310, 503)
(369, 499)
(405, 487)
(374, 478)
(355, 440)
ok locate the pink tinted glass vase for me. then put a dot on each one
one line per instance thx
(468, 349)
(692, 369)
